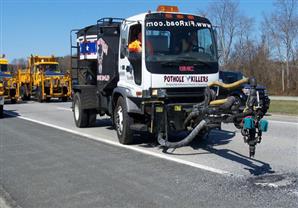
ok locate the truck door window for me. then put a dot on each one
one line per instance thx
(135, 51)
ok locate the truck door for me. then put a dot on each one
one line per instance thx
(130, 61)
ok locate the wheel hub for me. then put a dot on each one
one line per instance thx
(76, 111)
(119, 120)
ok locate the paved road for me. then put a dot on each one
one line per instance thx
(61, 166)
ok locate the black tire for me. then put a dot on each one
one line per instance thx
(122, 125)
(48, 99)
(81, 116)
(23, 93)
(39, 94)
(92, 117)
(64, 99)
(13, 101)
(28, 97)
(1, 111)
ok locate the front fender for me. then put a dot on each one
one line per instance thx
(132, 106)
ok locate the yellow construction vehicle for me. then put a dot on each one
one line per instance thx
(9, 81)
(44, 80)
(1, 96)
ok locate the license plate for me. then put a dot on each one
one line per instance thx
(1, 100)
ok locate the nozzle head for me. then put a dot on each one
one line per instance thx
(253, 82)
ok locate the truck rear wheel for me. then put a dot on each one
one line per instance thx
(122, 121)
(80, 115)
(92, 117)
(22, 92)
(39, 94)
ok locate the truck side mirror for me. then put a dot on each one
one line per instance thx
(218, 43)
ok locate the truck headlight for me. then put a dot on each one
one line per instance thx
(158, 92)
(154, 92)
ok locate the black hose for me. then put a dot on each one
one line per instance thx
(183, 142)
(228, 104)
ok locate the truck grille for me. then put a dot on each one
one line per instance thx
(185, 92)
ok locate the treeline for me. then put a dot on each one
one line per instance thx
(22, 63)
(268, 51)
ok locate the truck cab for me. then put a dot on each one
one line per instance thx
(151, 88)
(9, 81)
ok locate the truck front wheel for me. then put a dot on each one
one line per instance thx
(122, 121)
(80, 115)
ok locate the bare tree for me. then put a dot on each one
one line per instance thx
(282, 27)
(64, 63)
(225, 14)
(244, 46)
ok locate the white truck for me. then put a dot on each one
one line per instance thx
(154, 89)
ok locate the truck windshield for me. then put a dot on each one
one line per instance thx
(179, 44)
(51, 68)
(3, 68)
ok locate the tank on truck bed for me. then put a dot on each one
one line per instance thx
(96, 66)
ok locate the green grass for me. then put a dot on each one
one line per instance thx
(283, 107)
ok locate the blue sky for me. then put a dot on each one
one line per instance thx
(42, 26)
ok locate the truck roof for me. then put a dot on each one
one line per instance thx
(92, 29)
(45, 62)
(141, 17)
(3, 61)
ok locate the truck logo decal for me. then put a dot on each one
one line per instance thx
(185, 78)
(103, 77)
(88, 47)
(102, 48)
(177, 23)
(186, 68)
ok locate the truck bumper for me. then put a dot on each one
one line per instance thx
(168, 117)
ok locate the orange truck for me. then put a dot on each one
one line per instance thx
(44, 80)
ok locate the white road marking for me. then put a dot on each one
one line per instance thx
(162, 156)
(273, 185)
(66, 109)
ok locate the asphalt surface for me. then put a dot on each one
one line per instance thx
(43, 166)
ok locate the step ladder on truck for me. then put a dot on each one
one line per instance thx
(157, 73)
